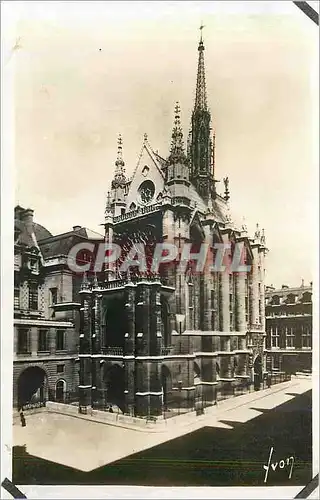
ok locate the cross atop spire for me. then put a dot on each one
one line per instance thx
(177, 148)
(201, 93)
(201, 28)
(119, 175)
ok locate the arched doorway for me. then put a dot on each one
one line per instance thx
(32, 386)
(61, 387)
(166, 383)
(115, 383)
(257, 366)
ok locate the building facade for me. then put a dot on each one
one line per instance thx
(153, 340)
(289, 328)
(46, 313)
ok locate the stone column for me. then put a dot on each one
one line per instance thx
(131, 314)
(207, 282)
(85, 382)
(181, 236)
(109, 268)
(240, 301)
(262, 289)
(97, 379)
(254, 287)
(224, 302)
(149, 342)
(34, 331)
(129, 348)
(129, 392)
(168, 231)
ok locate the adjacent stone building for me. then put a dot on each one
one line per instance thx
(46, 313)
(289, 328)
(151, 342)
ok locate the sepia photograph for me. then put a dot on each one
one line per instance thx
(159, 269)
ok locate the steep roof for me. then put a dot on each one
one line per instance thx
(41, 232)
(61, 244)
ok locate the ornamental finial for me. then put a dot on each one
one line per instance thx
(226, 188)
(119, 175)
(177, 148)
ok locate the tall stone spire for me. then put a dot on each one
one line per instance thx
(201, 93)
(119, 179)
(201, 145)
(177, 148)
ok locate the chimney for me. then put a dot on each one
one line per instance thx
(76, 228)
(302, 283)
(311, 283)
(18, 211)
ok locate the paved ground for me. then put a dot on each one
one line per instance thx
(229, 443)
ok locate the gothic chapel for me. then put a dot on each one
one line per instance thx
(152, 344)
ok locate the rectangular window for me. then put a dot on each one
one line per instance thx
(306, 337)
(43, 344)
(23, 341)
(274, 337)
(60, 368)
(60, 340)
(33, 297)
(289, 337)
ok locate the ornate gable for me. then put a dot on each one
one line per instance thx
(147, 182)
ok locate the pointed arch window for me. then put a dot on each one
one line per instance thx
(190, 297)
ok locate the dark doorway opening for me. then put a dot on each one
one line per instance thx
(60, 391)
(32, 386)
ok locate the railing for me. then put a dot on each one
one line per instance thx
(114, 284)
(67, 397)
(114, 351)
(166, 350)
(180, 200)
(278, 378)
(138, 211)
(32, 406)
(118, 283)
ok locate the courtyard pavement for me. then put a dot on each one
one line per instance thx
(87, 445)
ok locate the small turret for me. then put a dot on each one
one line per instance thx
(177, 163)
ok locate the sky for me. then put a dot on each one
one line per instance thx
(86, 71)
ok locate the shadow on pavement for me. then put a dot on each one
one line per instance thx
(207, 457)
